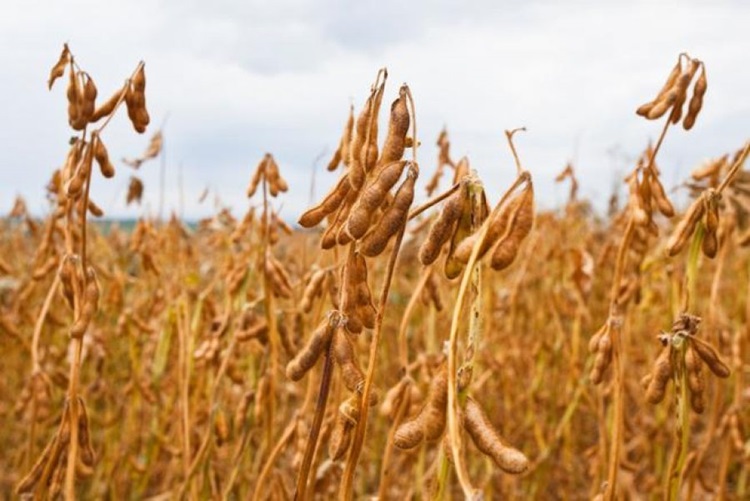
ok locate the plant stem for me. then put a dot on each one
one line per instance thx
(347, 481)
(312, 439)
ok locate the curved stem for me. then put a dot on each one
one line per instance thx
(403, 350)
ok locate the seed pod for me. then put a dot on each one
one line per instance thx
(69, 278)
(329, 238)
(277, 275)
(107, 107)
(221, 427)
(603, 357)
(488, 440)
(310, 353)
(682, 85)
(393, 397)
(696, 102)
(88, 100)
(46, 268)
(371, 198)
(464, 226)
(342, 151)
(356, 298)
(139, 79)
(135, 190)
(102, 158)
(257, 177)
(709, 169)
(27, 483)
(331, 203)
(58, 69)
(661, 375)
(394, 218)
(685, 228)
(430, 422)
(461, 170)
(135, 99)
(84, 435)
(594, 340)
(74, 187)
(696, 383)
(712, 211)
(519, 227)
(441, 229)
(432, 290)
(313, 289)
(710, 244)
(369, 153)
(89, 306)
(346, 358)
(643, 110)
(341, 437)
(276, 183)
(708, 354)
(358, 143)
(398, 126)
(661, 107)
(258, 330)
(498, 227)
(74, 95)
(660, 196)
(94, 209)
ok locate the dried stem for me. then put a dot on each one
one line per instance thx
(347, 481)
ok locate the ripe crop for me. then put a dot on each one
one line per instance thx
(470, 346)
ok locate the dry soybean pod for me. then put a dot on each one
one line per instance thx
(108, 106)
(345, 356)
(372, 197)
(644, 109)
(497, 228)
(696, 101)
(310, 353)
(102, 157)
(398, 127)
(487, 439)
(442, 228)
(682, 86)
(519, 227)
(429, 423)
(331, 202)
(312, 290)
(393, 219)
(58, 69)
(685, 228)
(708, 354)
(660, 376)
(696, 382)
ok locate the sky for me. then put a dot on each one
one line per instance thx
(232, 80)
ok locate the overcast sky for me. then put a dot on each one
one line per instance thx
(240, 78)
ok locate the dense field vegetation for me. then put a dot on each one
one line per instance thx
(469, 346)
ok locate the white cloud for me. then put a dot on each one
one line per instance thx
(241, 78)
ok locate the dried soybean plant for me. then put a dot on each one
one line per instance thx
(69, 454)
(684, 353)
(366, 216)
(176, 386)
(647, 195)
(473, 234)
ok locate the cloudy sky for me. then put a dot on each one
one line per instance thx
(240, 78)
